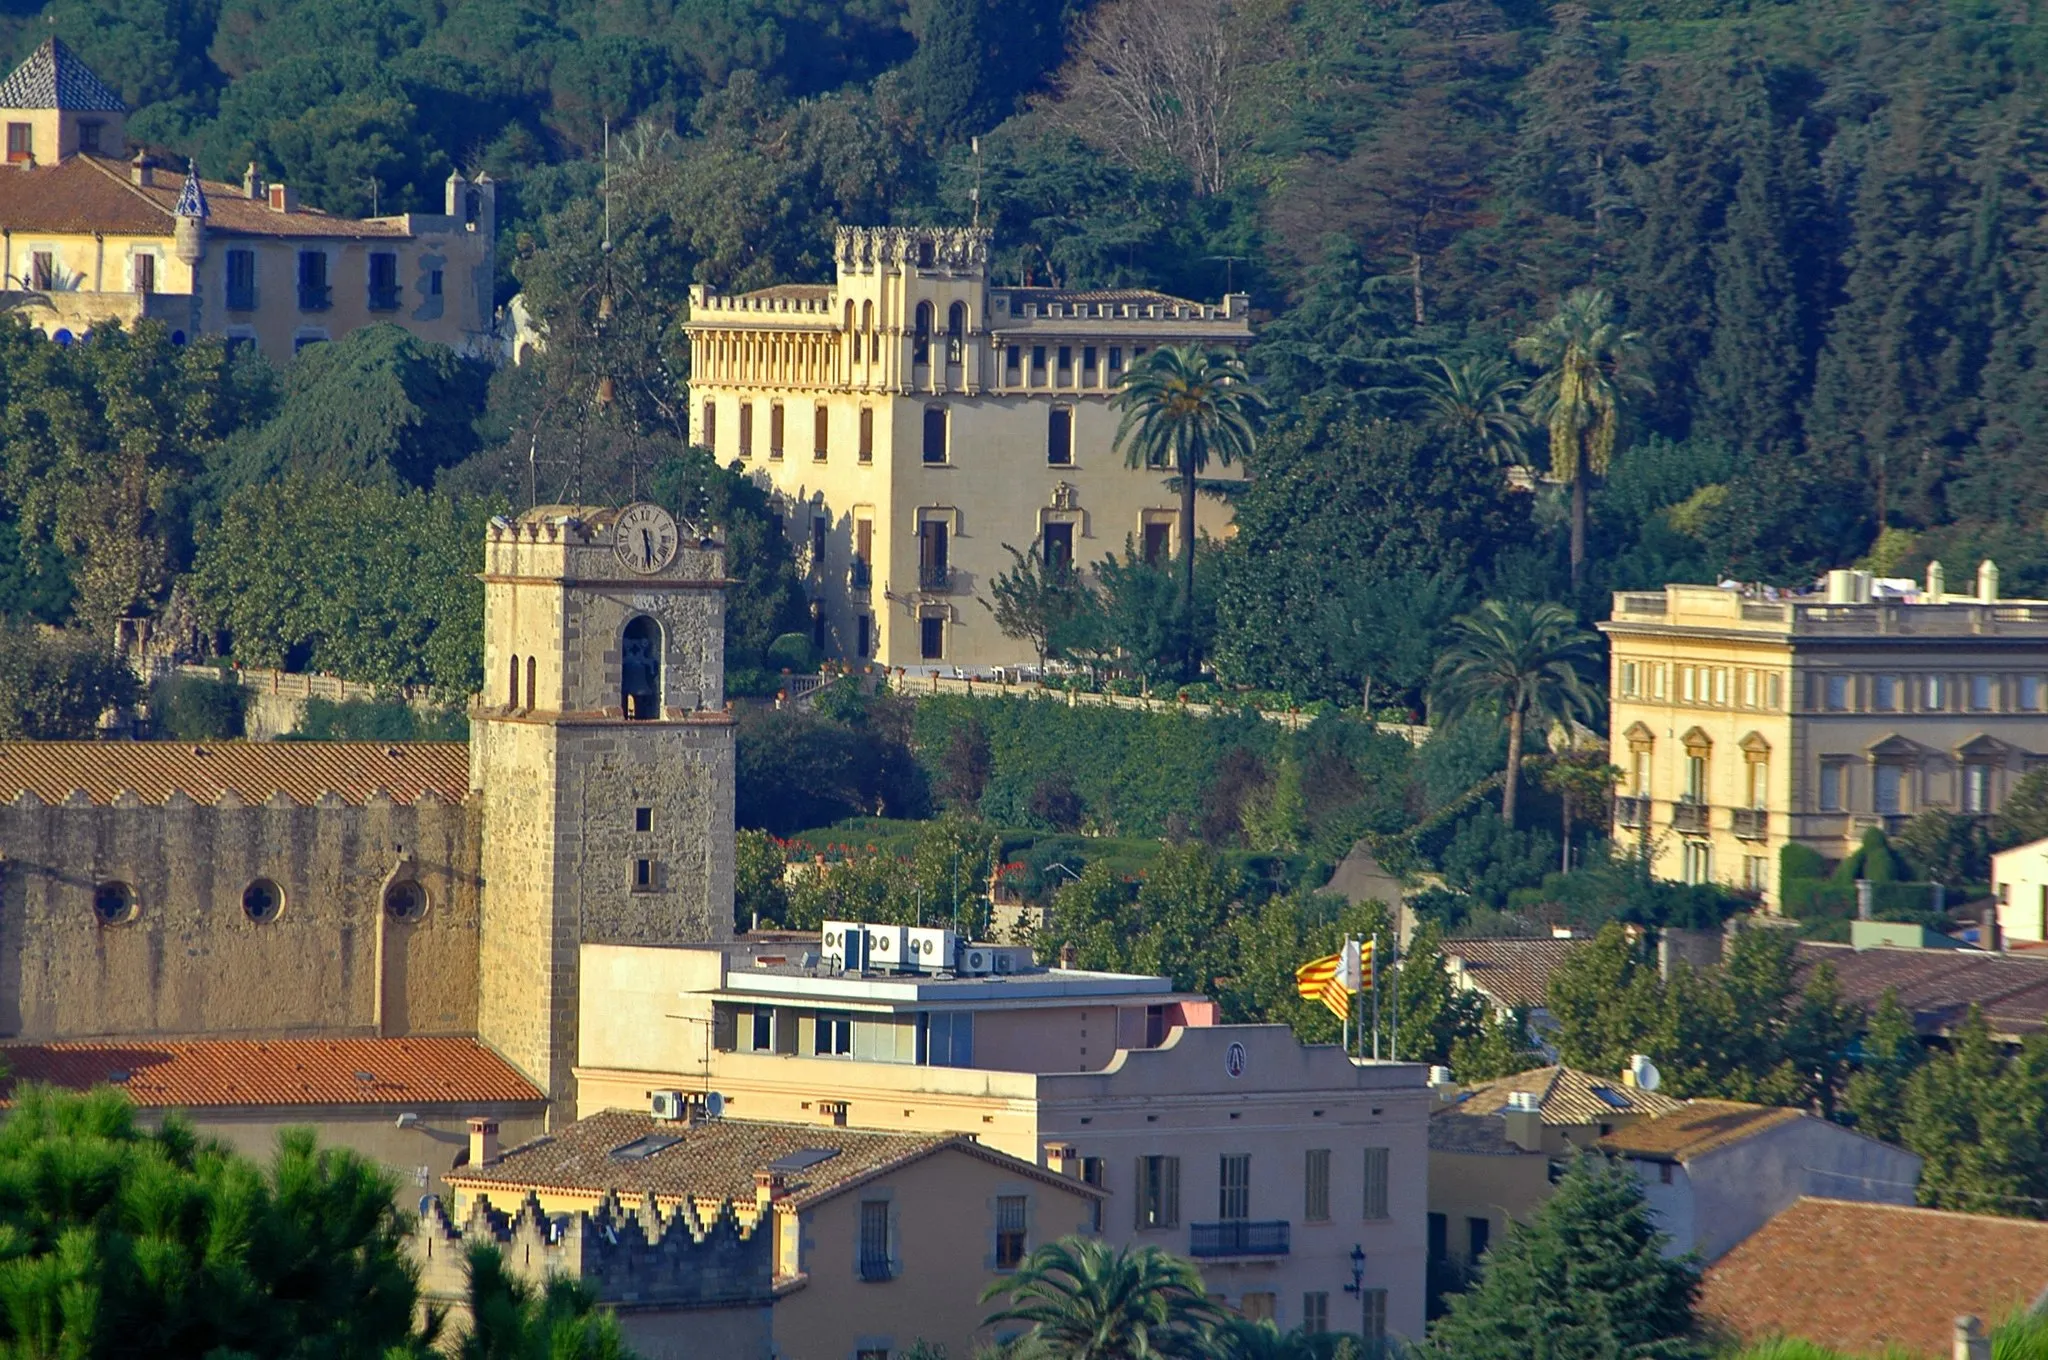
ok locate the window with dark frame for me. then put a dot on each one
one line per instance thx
(643, 819)
(1058, 550)
(89, 136)
(1009, 1231)
(42, 270)
(145, 273)
(931, 638)
(775, 432)
(1158, 544)
(1234, 1186)
(707, 428)
(1478, 1236)
(1158, 1197)
(1315, 1312)
(241, 281)
(874, 1241)
(862, 641)
(1375, 1205)
(1316, 1192)
(1059, 437)
(643, 875)
(867, 434)
(821, 432)
(21, 142)
(383, 281)
(934, 434)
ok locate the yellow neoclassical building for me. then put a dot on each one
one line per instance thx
(91, 236)
(1743, 720)
(916, 418)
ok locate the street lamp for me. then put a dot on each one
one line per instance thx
(1357, 1285)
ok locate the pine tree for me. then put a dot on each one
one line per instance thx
(1585, 1279)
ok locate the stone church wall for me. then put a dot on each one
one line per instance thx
(191, 961)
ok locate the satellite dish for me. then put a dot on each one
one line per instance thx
(714, 1104)
(1645, 1072)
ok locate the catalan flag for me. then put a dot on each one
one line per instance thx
(1332, 978)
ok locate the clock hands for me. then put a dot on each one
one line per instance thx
(647, 547)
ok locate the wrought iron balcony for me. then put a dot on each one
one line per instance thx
(874, 1267)
(1633, 813)
(1239, 1237)
(315, 297)
(1752, 824)
(1689, 817)
(861, 577)
(938, 580)
(384, 299)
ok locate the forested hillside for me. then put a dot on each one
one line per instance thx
(1823, 219)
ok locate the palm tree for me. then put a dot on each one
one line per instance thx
(1086, 1300)
(1524, 658)
(1183, 405)
(1586, 364)
(1475, 400)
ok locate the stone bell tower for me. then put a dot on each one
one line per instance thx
(602, 756)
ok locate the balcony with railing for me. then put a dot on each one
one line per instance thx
(1752, 824)
(939, 580)
(876, 1266)
(860, 578)
(1633, 813)
(1239, 1237)
(315, 297)
(1689, 817)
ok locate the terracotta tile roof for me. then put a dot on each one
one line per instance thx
(1512, 972)
(1474, 1135)
(255, 771)
(1566, 1096)
(213, 1073)
(54, 78)
(1700, 1127)
(715, 1159)
(1938, 986)
(1135, 295)
(1866, 1278)
(92, 193)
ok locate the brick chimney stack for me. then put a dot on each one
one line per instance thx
(483, 1142)
(769, 1186)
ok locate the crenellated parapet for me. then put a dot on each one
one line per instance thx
(961, 250)
(637, 1257)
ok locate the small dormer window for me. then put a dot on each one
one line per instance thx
(89, 137)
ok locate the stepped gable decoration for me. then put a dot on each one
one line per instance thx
(54, 78)
(254, 772)
(624, 1256)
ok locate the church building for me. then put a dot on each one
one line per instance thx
(390, 928)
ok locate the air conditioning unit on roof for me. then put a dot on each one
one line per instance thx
(844, 946)
(887, 946)
(976, 960)
(932, 951)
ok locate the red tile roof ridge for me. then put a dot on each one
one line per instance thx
(1923, 1210)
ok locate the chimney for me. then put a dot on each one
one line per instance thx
(1970, 1341)
(141, 171)
(1068, 955)
(1443, 1086)
(283, 199)
(1524, 1120)
(252, 183)
(483, 1142)
(769, 1186)
(1063, 1159)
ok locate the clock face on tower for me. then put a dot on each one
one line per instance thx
(645, 539)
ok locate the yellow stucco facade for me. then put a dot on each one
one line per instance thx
(916, 418)
(89, 238)
(1743, 722)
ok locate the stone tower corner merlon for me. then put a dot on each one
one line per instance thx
(571, 543)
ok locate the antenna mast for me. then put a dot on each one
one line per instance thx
(975, 192)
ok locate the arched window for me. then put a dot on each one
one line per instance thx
(532, 694)
(849, 314)
(512, 685)
(956, 332)
(640, 669)
(921, 342)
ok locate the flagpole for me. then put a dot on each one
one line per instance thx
(1394, 998)
(1375, 996)
(1347, 1008)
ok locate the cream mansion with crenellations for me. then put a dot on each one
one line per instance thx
(917, 418)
